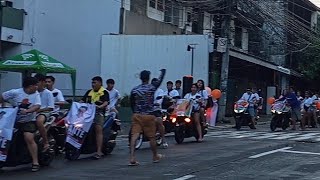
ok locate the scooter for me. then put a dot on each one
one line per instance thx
(13, 149)
(185, 126)
(81, 138)
(241, 114)
(280, 115)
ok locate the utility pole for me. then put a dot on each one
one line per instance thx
(225, 62)
(1, 14)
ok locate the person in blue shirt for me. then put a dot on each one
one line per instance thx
(293, 101)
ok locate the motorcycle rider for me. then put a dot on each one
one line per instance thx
(172, 92)
(142, 104)
(158, 99)
(178, 87)
(197, 102)
(295, 105)
(204, 98)
(29, 102)
(252, 100)
(114, 96)
(57, 94)
(100, 97)
(47, 106)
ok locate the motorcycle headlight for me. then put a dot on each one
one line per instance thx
(273, 111)
(174, 120)
(236, 111)
(187, 120)
(279, 112)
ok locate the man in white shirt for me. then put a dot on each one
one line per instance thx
(114, 97)
(57, 94)
(172, 92)
(28, 101)
(47, 106)
(178, 87)
(252, 100)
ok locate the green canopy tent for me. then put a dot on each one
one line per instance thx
(35, 61)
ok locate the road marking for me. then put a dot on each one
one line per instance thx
(271, 135)
(268, 152)
(185, 177)
(305, 136)
(300, 152)
(286, 136)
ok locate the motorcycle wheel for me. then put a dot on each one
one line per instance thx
(273, 124)
(109, 146)
(158, 139)
(179, 135)
(45, 158)
(71, 153)
(1, 164)
(238, 123)
(139, 141)
(286, 124)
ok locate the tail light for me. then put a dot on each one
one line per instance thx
(174, 120)
(187, 120)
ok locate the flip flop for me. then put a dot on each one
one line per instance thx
(160, 156)
(136, 163)
(97, 156)
(35, 167)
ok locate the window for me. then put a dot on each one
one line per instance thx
(189, 17)
(152, 3)
(160, 5)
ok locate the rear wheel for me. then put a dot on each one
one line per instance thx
(179, 135)
(238, 123)
(139, 141)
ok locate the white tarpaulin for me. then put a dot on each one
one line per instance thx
(7, 120)
(79, 121)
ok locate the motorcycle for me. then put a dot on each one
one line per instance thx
(81, 138)
(241, 114)
(280, 115)
(57, 130)
(185, 126)
(13, 148)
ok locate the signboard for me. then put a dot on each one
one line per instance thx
(222, 45)
(79, 121)
(7, 120)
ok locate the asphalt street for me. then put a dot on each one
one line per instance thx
(225, 154)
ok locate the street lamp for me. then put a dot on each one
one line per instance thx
(191, 48)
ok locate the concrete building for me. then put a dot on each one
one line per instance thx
(69, 31)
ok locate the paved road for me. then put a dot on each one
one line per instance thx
(225, 154)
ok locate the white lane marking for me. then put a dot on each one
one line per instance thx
(300, 152)
(249, 134)
(271, 135)
(286, 136)
(305, 136)
(268, 152)
(185, 177)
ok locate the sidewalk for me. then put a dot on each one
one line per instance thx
(264, 119)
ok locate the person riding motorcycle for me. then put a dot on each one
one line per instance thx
(100, 97)
(204, 97)
(29, 102)
(197, 102)
(158, 99)
(172, 92)
(114, 96)
(252, 100)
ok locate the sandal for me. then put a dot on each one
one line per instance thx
(35, 167)
(159, 157)
(97, 156)
(135, 163)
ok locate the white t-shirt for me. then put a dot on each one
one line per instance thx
(47, 100)
(194, 98)
(57, 95)
(24, 101)
(204, 94)
(173, 93)
(250, 98)
(157, 102)
(114, 96)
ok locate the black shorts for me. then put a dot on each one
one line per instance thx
(30, 127)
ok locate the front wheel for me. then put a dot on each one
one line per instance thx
(238, 123)
(179, 135)
(71, 153)
(273, 124)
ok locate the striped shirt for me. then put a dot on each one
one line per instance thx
(142, 97)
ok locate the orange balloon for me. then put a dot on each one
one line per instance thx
(271, 100)
(318, 105)
(216, 93)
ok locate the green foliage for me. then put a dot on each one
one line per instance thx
(309, 62)
(125, 101)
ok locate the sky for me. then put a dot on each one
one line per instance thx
(316, 2)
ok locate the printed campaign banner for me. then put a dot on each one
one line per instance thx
(183, 108)
(79, 121)
(7, 120)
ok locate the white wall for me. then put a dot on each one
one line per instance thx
(70, 31)
(125, 56)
